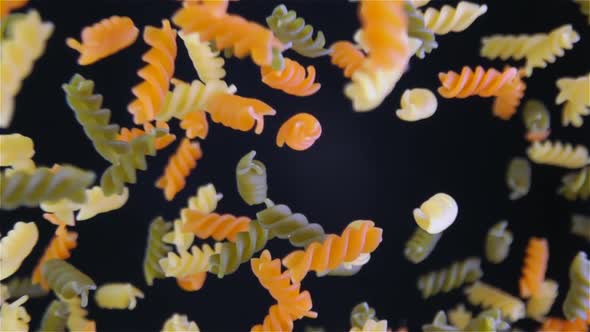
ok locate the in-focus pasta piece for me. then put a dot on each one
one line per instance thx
(239, 113)
(480, 82)
(459, 317)
(439, 324)
(179, 166)
(539, 305)
(417, 29)
(417, 104)
(55, 317)
(518, 178)
(437, 213)
(117, 296)
(195, 124)
(581, 226)
(17, 151)
(66, 281)
(219, 227)
(346, 56)
(97, 202)
(18, 287)
(205, 200)
(558, 154)
(179, 323)
(187, 263)
(126, 134)
(420, 245)
(207, 63)
(277, 319)
(299, 132)
(508, 99)
(577, 301)
(155, 249)
(534, 267)
(14, 316)
(451, 277)
(360, 314)
(180, 239)
(370, 86)
(251, 179)
(60, 247)
(449, 19)
(292, 79)
(16, 246)
(26, 43)
(491, 297)
(104, 39)
(498, 241)
(576, 185)
(372, 326)
(549, 48)
(574, 93)
(537, 120)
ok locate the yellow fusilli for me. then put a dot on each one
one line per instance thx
(488, 296)
(575, 93)
(207, 63)
(16, 246)
(17, 151)
(453, 19)
(558, 154)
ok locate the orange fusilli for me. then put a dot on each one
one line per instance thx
(277, 320)
(534, 268)
(219, 227)
(347, 57)
(238, 112)
(291, 79)
(192, 282)
(195, 124)
(161, 142)
(299, 132)
(481, 82)
(179, 167)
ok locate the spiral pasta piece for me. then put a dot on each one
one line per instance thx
(539, 305)
(348, 269)
(179, 166)
(239, 113)
(417, 104)
(508, 98)
(251, 179)
(576, 185)
(451, 277)
(7, 6)
(574, 93)
(104, 39)
(156, 74)
(205, 200)
(580, 226)
(346, 56)
(449, 19)
(291, 79)
(277, 319)
(14, 316)
(420, 245)
(534, 267)
(439, 324)
(66, 281)
(117, 296)
(488, 296)
(244, 37)
(554, 324)
(360, 314)
(488, 321)
(27, 42)
(372, 326)
(370, 86)
(518, 178)
(284, 224)
(299, 132)
(577, 301)
(437, 213)
(459, 317)
(192, 282)
(550, 47)
(16, 246)
(558, 154)
(179, 323)
(155, 250)
(187, 263)
(98, 202)
(60, 247)
(17, 151)
(207, 63)
(417, 29)
(195, 125)
(480, 82)
(537, 120)
(506, 47)
(18, 287)
(77, 320)
(178, 237)
(55, 317)
(216, 7)
(219, 227)
(359, 237)
(498, 241)
(126, 135)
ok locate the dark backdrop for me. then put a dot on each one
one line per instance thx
(370, 166)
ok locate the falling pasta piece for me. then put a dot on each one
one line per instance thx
(417, 104)
(577, 301)
(573, 93)
(239, 113)
(558, 154)
(299, 132)
(179, 323)
(179, 167)
(498, 241)
(518, 178)
(453, 19)
(539, 305)
(581, 226)
(451, 277)
(292, 79)
(534, 267)
(537, 120)
(437, 213)
(346, 56)
(117, 296)
(17, 151)
(251, 179)
(16, 246)
(97, 202)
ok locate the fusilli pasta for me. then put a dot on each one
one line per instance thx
(239, 113)
(16, 246)
(66, 281)
(195, 124)
(155, 249)
(179, 323)
(449, 19)
(251, 179)
(540, 304)
(534, 267)
(60, 247)
(126, 135)
(574, 92)
(187, 263)
(480, 82)
(508, 98)
(205, 200)
(549, 48)
(180, 239)
(17, 151)
(420, 245)
(488, 296)
(18, 287)
(577, 300)
(207, 63)
(537, 120)
(299, 132)
(449, 278)
(518, 178)
(291, 79)
(580, 226)
(117, 296)
(370, 86)
(219, 227)
(179, 166)
(14, 317)
(417, 104)
(558, 154)
(437, 213)
(459, 317)
(488, 321)
(372, 326)
(98, 202)
(277, 319)
(576, 185)
(498, 241)
(77, 320)
(417, 29)
(439, 324)
(553, 324)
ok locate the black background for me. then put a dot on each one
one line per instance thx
(365, 166)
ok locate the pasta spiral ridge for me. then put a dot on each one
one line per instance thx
(17, 151)
(539, 305)
(16, 246)
(558, 154)
(239, 113)
(359, 237)
(299, 132)
(284, 224)
(195, 125)
(207, 63)
(156, 74)
(580, 226)
(187, 263)
(459, 317)
(55, 317)
(417, 104)
(94, 119)
(453, 19)
(14, 316)
(554, 324)
(206, 199)
(219, 227)
(77, 320)
(118, 296)
(59, 247)
(506, 47)
(155, 250)
(126, 135)
(179, 167)
(534, 267)
(537, 120)
(360, 314)
(439, 324)
(549, 48)
(277, 319)
(370, 86)
(498, 241)
(508, 98)
(104, 38)
(481, 82)
(179, 323)
(291, 79)
(289, 28)
(347, 56)
(372, 326)
(488, 296)
(574, 93)
(21, 188)
(251, 179)
(576, 185)
(417, 29)
(66, 281)
(420, 245)
(518, 177)
(18, 287)
(577, 300)
(449, 278)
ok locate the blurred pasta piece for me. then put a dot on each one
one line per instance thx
(459, 317)
(17, 151)
(420, 245)
(417, 104)
(449, 19)
(554, 324)
(14, 316)
(55, 317)
(577, 300)
(584, 8)
(573, 93)
(97, 202)
(370, 86)
(346, 56)
(239, 113)
(372, 326)
(179, 167)
(576, 185)
(20, 286)
(66, 281)
(539, 305)
(206, 199)
(77, 320)
(498, 241)
(558, 154)
(490, 297)
(126, 134)
(299, 132)
(7, 6)
(437, 213)
(207, 63)
(360, 314)
(581, 226)
(534, 267)
(16, 246)
(417, 29)
(450, 278)
(179, 323)
(439, 324)
(60, 247)
(155, 249)
(117, 296)
(292, 79)
(537, 120)
(219, 227)
(251, 179)
(195, 124)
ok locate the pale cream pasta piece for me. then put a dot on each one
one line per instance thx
(187, 263)
(180, 239)
(437, 213)
(581, 226)
(449, 19)
(14, 317)
(205, 200)
(179, 323)
(117, 296)
(207, 63)
(370, 86)
(413, 43)
(63, 210)
(558, 154)
(347, 269)
(17, 151)
(417, 104)
(372, 326)
(97, 202)
(574, 93)
(459, 317)
(16, 246)
(490, 297)
(4, 293)
(539, 305)
(550, 48)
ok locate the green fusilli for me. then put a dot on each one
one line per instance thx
(155, 250)
(66, 281)
(576, 185)
(18, 287)
(420, 245)
(452, 277)
(360, 314)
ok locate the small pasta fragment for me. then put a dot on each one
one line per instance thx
(299, 132)
(14, 316)
(554, 324)
(581, 226)
(16, 246)
(17, 151)
(498, 241)
(155, 249)
(534, 267)
(576, 185)
(417, 104)
(207, 63)
(574, 94)
(117, 296)
(420, 245)
(537, 120)
(558, 154)
(60, 247)
(55, 317)
(179, 166)
(179, 323)
(77, 320)
(488, 296)
(459, 317)
(7, 6)
(372, 326)
(518, 178)
(346, 56)
(219, 227)
(370, 86)
(577, 301)
(437, 213)
(66, 281)
(439, 324)
(449, 278)
(417, 29)
(449, 19)
(239, 113)
(251, 179)
(97, 202)
(205, 200)
(360, 314)
(192, 282)
(291, 79)
(539, 305)
(104, 39)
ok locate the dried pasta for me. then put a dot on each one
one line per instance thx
(550, 47)
(554, 324)
(372, 326)
(180, 239)
(277, 319)
(187, 263)
(16, 246)
(577, 301)
(157, 73)
(104, 39)
(66, 281)
(417, 104)
(192, 282)
(539, 305)
(508, 98)
(451, 277)
(360, 314)
(195, 124)
(117, 296)
(439, 324)
(459, 317)
(179, 323)
(205, 200)
(219, 227)
(370, 86)
(518, 178)
(55, 317)
(437, 213)
(77, 320)
(576, 185)
(573, 93)
(346, 56)
(417, 29)
(126, 134)
(207, 63)
(17, 151)
(299, 132)
(498, 241)
(97, 202)
(348, 269)
(60, 247)
(420, 245)
(251, 179)
(537, 120)
(480, 82)
(488, 321)
(534, 267)
(239, 113)
(18, 287)
(584, 8)
(449, 19)
(558, 154)
(155, 249)
(179, 166)
(488, 296)
(292, 79)
(14, 316)
(26, 43)
(7, 6)
(581, 226)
